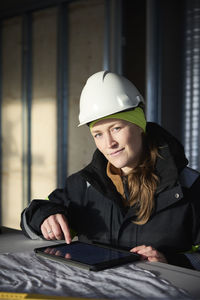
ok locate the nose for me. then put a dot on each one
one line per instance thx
(110, 141)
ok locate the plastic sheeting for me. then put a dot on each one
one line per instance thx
(24, 272)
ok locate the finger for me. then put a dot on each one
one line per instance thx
(49, 228)
(153, 255)
(51, 235)
(65, 228)
(153, 259)
(44, 233)
(145, 252)
(44, 230)
(138, 248)
(55, 231)
(148, 250)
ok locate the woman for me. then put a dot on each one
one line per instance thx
(137, 192)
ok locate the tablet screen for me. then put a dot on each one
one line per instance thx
(84, 254)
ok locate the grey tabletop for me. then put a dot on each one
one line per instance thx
(13, 241)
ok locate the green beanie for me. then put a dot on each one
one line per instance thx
(135, 116)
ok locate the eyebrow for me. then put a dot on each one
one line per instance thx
(99, 130)
(95, 131)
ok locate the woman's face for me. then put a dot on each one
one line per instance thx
(119, 141)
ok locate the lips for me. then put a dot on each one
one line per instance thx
(115, 153)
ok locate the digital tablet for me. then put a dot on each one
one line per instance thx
(89, 256)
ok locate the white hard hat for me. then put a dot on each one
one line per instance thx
(106, 93)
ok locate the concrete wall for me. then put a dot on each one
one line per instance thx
(44, 112)
(85, 57)
(86, 36)
(11, 123)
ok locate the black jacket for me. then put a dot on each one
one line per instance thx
(95, 209)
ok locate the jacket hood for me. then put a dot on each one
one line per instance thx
(164, 138)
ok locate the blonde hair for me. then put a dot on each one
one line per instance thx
(143, 181)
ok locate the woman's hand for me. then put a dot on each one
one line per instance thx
(149, 253)
(55, 227)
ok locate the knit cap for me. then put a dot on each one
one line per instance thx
(135, 116)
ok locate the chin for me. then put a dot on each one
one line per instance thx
(118, 165)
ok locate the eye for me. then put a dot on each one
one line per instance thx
(116, 129)
(97, 135)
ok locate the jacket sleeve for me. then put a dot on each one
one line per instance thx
(194, 255)
(190, 180)
(33, 216)
(59, 201)
(196, 211)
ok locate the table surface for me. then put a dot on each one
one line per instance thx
(13, 241)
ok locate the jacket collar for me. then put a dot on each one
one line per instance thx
(166, 169)
(95, 173)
